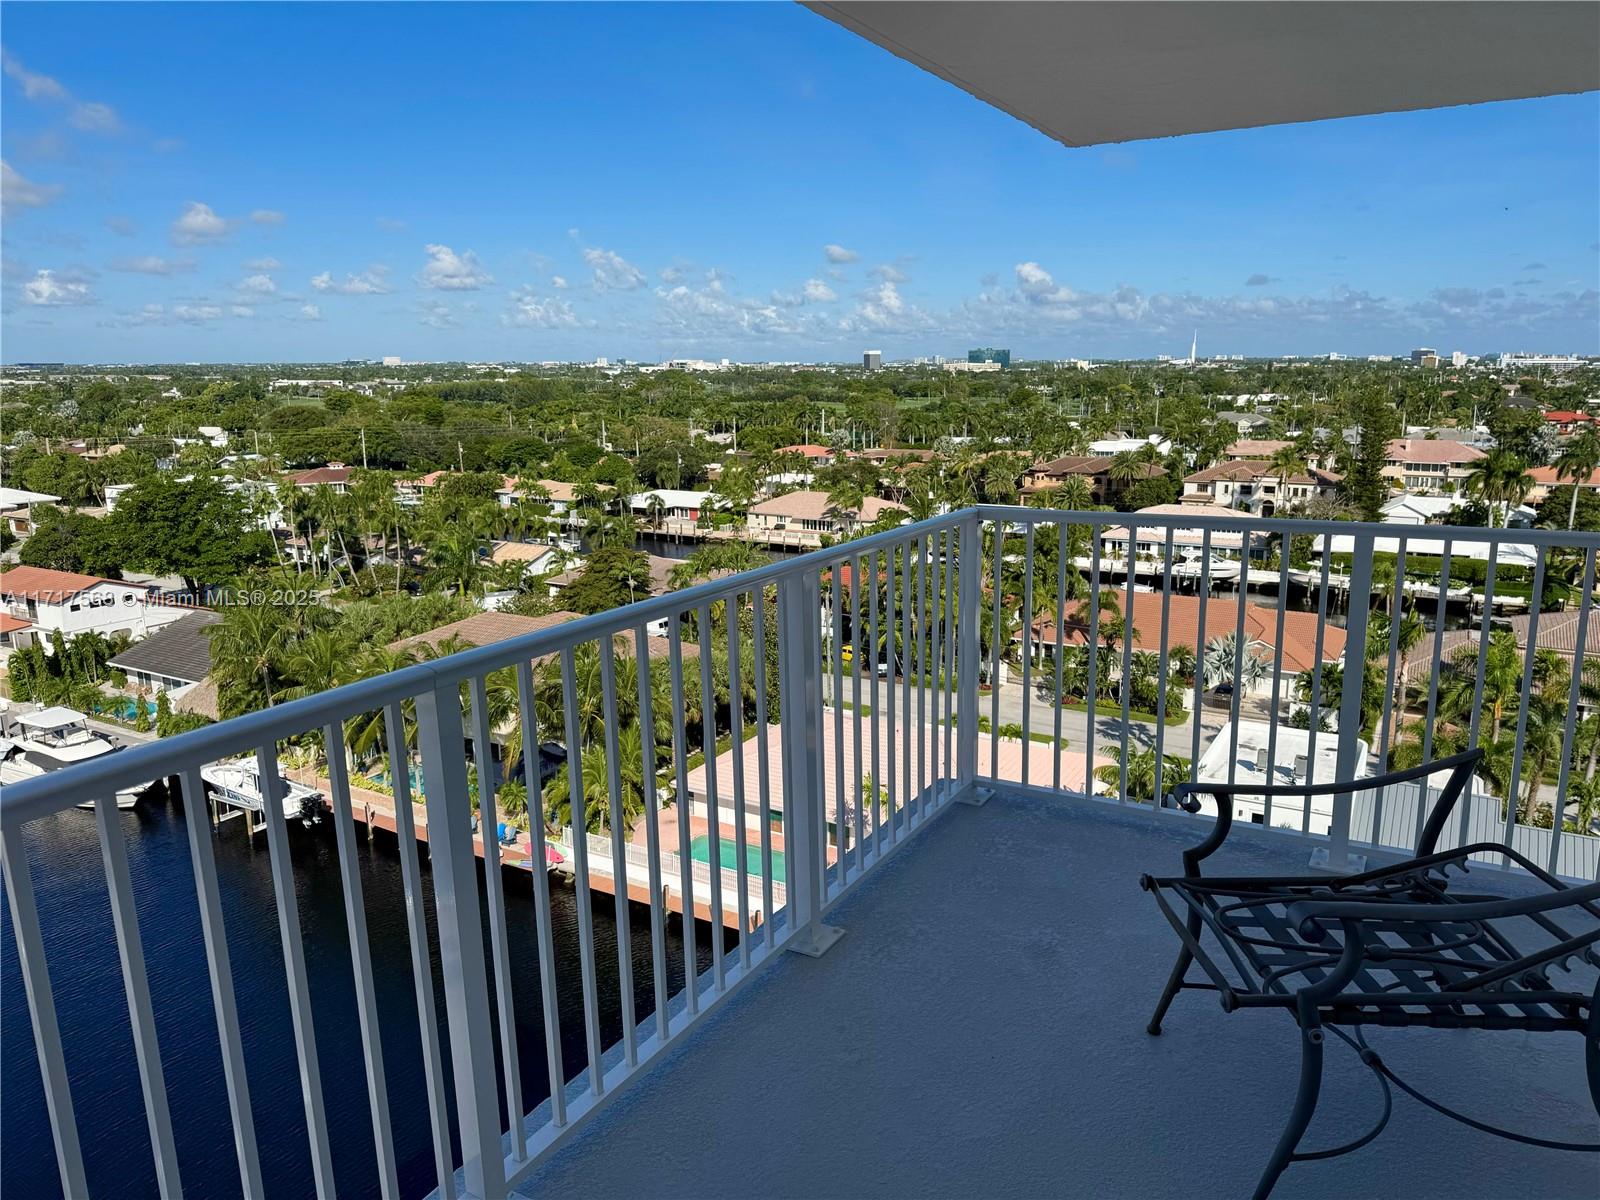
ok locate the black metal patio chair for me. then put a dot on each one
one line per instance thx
(1399, 945)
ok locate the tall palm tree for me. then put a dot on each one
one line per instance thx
(245, 646)
(1500, 478)
(1578, 462)
(1218, 663)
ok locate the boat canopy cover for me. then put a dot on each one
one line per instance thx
(56, 717)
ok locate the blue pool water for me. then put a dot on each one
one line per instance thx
(700, 850)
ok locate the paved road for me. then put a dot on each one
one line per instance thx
(1074, 723)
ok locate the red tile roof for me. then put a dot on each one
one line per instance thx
(41, 583)
(1222, 615)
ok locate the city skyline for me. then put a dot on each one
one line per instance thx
(782, 192)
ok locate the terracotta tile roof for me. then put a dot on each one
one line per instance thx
(1566, 417)
(1222, 615)
(813, 506)
(1548, 477)
(10, 624)
(809, 449)
(1089, 464)
(51, 587)
(518, 551)
(1433, 451)
(317, 475)
(1257, 448)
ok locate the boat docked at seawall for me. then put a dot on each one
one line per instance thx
(237, 783)
(46, 739)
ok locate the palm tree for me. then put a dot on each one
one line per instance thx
(1141, 767)
(1222, 652)
(245, 646)
(1500, 478)
(1410, 633)
(1578, 462)
(1074, 494)
(655, 510)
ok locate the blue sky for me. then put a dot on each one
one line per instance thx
(316, 182)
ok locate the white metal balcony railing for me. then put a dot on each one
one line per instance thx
(927, 610)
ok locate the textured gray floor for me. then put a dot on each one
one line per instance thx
(979, 1032)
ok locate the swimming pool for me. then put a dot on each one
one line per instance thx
(699, 849)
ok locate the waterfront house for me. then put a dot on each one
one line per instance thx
(1430, 464)
(70, 603)
(678, 506)
(1096, 468)
(1254, 485)
(811, 512)
(1545, 479)
(175, 659)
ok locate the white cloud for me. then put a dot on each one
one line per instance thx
(267, 216)
(92, 117)
(1039, 287)
(18, 192)
(310, 312)
(198, 225)
(888, 272)
(437, 315)
(152, 264)
(612, 272)
(883, 305)
(257, 285)
(371, 282)
(836, 253)
(813, 291)
(122, 226)
(194, 314)
(263, 264)
(34, 85)
(391, 225)
(558, 282)
(242, 310)
(46, 290)
(451, 272)
(87, 115)
(531, 312)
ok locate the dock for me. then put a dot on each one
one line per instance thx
(376, 810)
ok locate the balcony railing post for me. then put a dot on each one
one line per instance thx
(441, 741)
(800, 691)
(969, 599)
(1347, 764)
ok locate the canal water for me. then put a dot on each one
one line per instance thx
(92, 1009)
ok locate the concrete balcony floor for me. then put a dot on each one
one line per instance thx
(979, 1032)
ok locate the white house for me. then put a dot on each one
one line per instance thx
(49, 601)
(677, 504)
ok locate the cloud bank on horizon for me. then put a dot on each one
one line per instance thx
(879, 207)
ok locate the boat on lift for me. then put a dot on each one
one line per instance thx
(47, 739)
(237, 783)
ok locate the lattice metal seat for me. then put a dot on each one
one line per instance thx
(1399, 945)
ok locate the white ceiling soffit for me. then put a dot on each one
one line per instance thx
(1091, 72)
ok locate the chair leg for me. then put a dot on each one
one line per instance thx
(1174, 984)
(1305, 1104)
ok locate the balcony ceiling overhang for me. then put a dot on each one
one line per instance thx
(1093, 72)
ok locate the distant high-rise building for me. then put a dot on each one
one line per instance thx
(872, 360)
(392, 360)
(1458, 358)
(989, 354)
(1424, 352)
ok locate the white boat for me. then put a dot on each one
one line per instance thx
(237, 782)
(47, 739)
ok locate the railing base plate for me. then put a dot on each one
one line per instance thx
(977, 797)
(1353, 864)
(815, 941)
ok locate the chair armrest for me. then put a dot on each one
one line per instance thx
(1307, 915)
(1460, 767)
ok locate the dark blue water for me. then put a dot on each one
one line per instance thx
(92, 1008)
